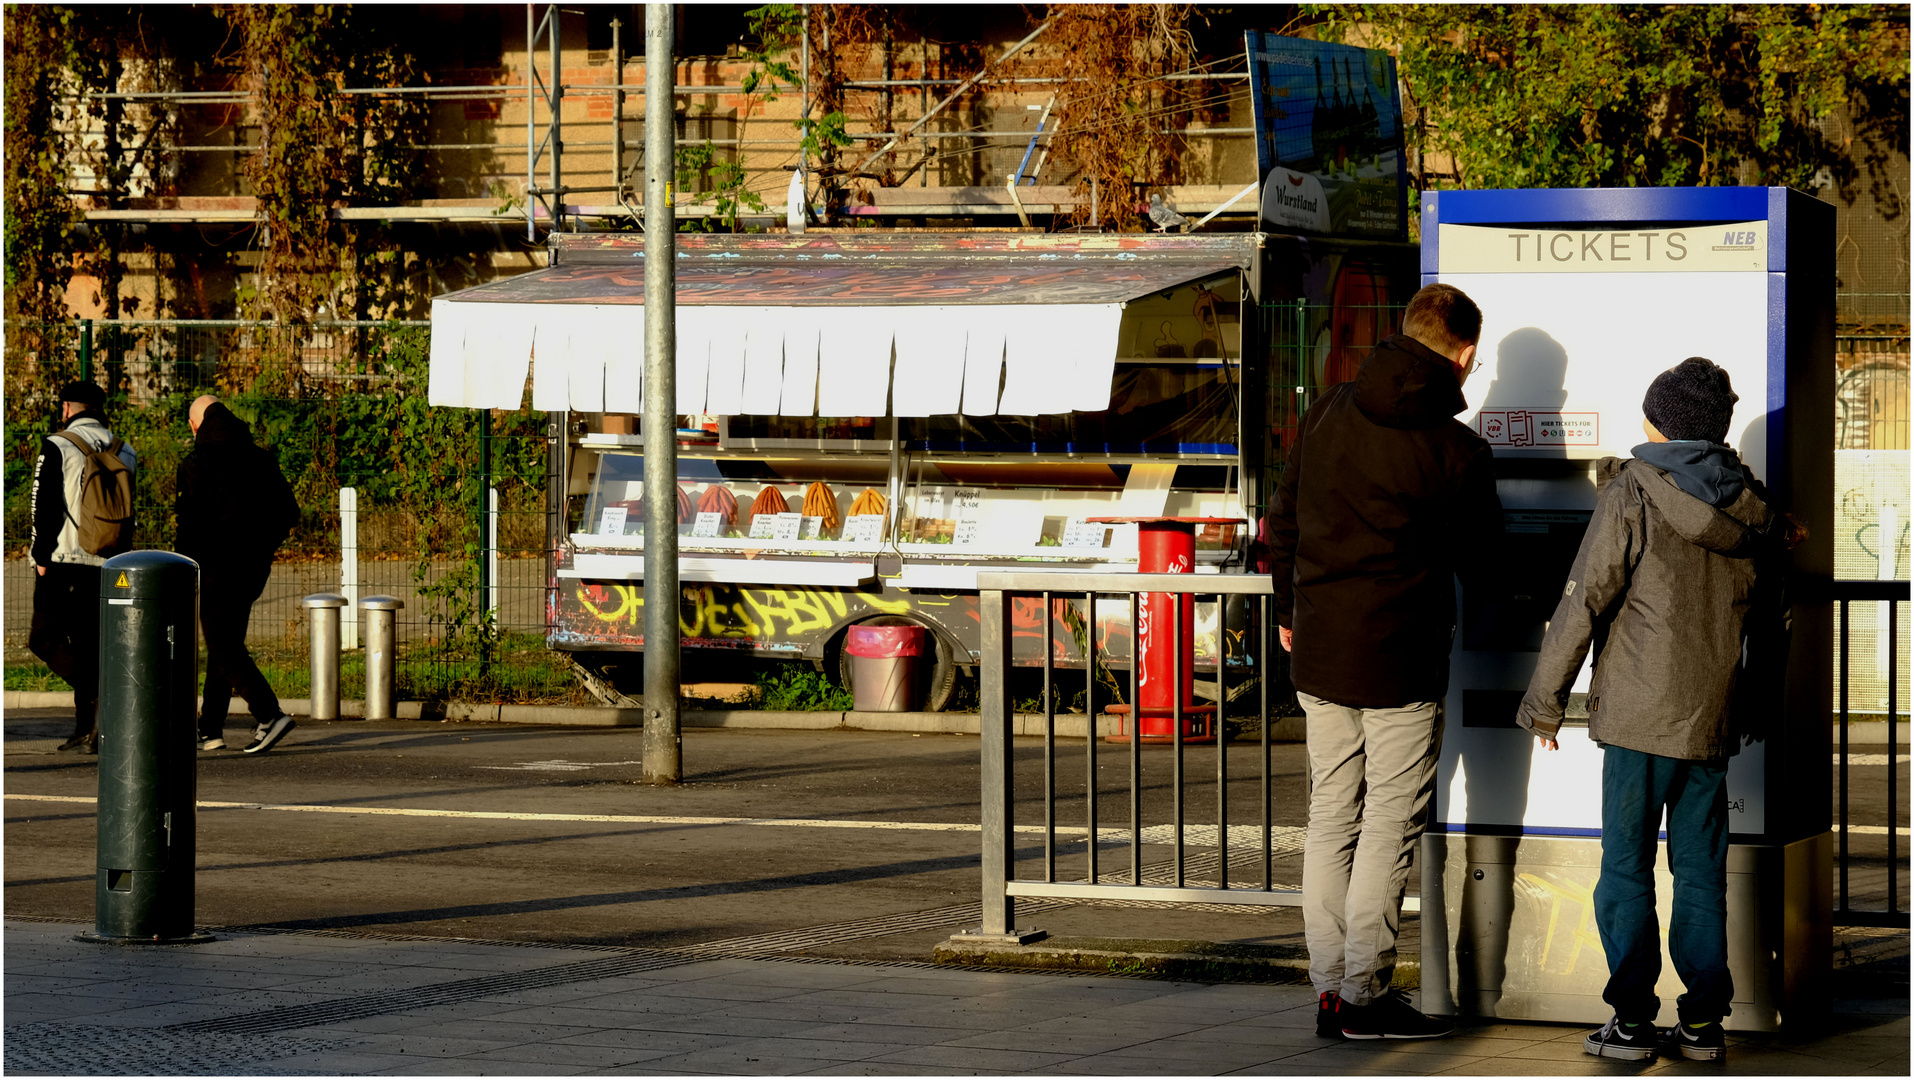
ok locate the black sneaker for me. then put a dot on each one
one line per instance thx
(1391, 1017)
(1628, 1042)
(268, 733)
(80, 744)
(1696, 1042)
(1328, 1014)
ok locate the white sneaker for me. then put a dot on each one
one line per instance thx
(214, 743)
(268, 733)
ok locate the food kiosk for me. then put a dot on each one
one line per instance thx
(867, 420)
(1586, 296)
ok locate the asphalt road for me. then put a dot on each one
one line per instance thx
(528, 833)
(526, 875)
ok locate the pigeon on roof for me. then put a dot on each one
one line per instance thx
(1164, 217)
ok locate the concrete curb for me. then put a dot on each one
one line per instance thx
(1196, 960)
(1069, 726)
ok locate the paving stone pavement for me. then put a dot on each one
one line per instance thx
(258, 1002)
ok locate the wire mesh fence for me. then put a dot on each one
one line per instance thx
(450, 511)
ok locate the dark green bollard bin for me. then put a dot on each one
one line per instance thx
(148, 762)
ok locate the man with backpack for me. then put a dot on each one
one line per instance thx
(82, 516)
(234, 510)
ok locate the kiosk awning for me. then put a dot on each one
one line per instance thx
(793, 327)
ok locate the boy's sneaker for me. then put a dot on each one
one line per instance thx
(1391, 1017)
(268, 733)
(1328, 1015)
(1696, 1042)
(1627, 1042)
(214, 743)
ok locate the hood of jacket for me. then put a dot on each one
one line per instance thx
(219, 427)
(1709, 471)
(1405, 384)
(1733, 530)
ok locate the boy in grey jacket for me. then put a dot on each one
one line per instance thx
(1673, 575)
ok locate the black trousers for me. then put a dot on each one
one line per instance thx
(225, 607)
(65, 634)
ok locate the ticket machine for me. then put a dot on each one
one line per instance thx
(1586, 296)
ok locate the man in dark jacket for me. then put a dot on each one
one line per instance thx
(1386, 495)
(1677, 571)
(65, 633)
(234, 510)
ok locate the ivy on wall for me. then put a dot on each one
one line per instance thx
(321, 148)
(39, 217)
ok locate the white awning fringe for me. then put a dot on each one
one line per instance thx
(920, 360)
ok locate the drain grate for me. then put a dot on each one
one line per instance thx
(319, 1013)
(68, 1049)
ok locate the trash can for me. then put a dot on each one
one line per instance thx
(884, 666)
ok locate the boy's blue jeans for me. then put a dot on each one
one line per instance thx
(1636, 787)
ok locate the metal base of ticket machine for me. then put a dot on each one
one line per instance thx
(1586, 296)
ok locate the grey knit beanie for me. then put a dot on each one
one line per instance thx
(1692, 400)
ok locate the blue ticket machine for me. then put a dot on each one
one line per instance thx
(1586, 296)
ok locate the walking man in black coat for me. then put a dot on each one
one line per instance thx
(234, 510)
(1385, 498)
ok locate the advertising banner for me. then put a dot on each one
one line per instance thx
(1328, 137)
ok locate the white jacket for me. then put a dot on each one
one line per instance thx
(49, 499)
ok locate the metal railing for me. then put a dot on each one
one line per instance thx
(1166, 880)
(1893, 593)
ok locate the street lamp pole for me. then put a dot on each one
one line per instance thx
(664, 751)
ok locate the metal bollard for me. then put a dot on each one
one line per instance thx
(325, 653)
(149, 767)
(379, 657)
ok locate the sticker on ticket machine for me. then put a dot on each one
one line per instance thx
(1536, 429)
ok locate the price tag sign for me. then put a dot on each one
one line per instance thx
(1083, 534)
(709, 524)
(786, 526)
(864, 528)
(813, 528)
(967, 504)
(967, 532)
(761, 526)
(611, 521)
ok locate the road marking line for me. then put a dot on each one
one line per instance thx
(556, 765)
(1871, 759)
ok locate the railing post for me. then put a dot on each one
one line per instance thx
(1000, 909)
(999, 832)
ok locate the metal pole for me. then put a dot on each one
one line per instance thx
(324, 608)
(663, 747)
(531, 129)
(999, 907)
(381, 613)
(485, 540)
(556, 99)
(617, 111)
(86, 350)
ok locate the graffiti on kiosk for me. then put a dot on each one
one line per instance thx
(730, 616)
(726, 611)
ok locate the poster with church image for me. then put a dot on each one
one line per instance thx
(1328, 137)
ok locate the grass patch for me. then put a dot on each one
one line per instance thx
(797, 688)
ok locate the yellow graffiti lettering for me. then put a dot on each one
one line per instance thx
(890, 607)
(801, 610)
(630, 602)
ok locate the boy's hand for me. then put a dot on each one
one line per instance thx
(1548, 743)
(1285, 635)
